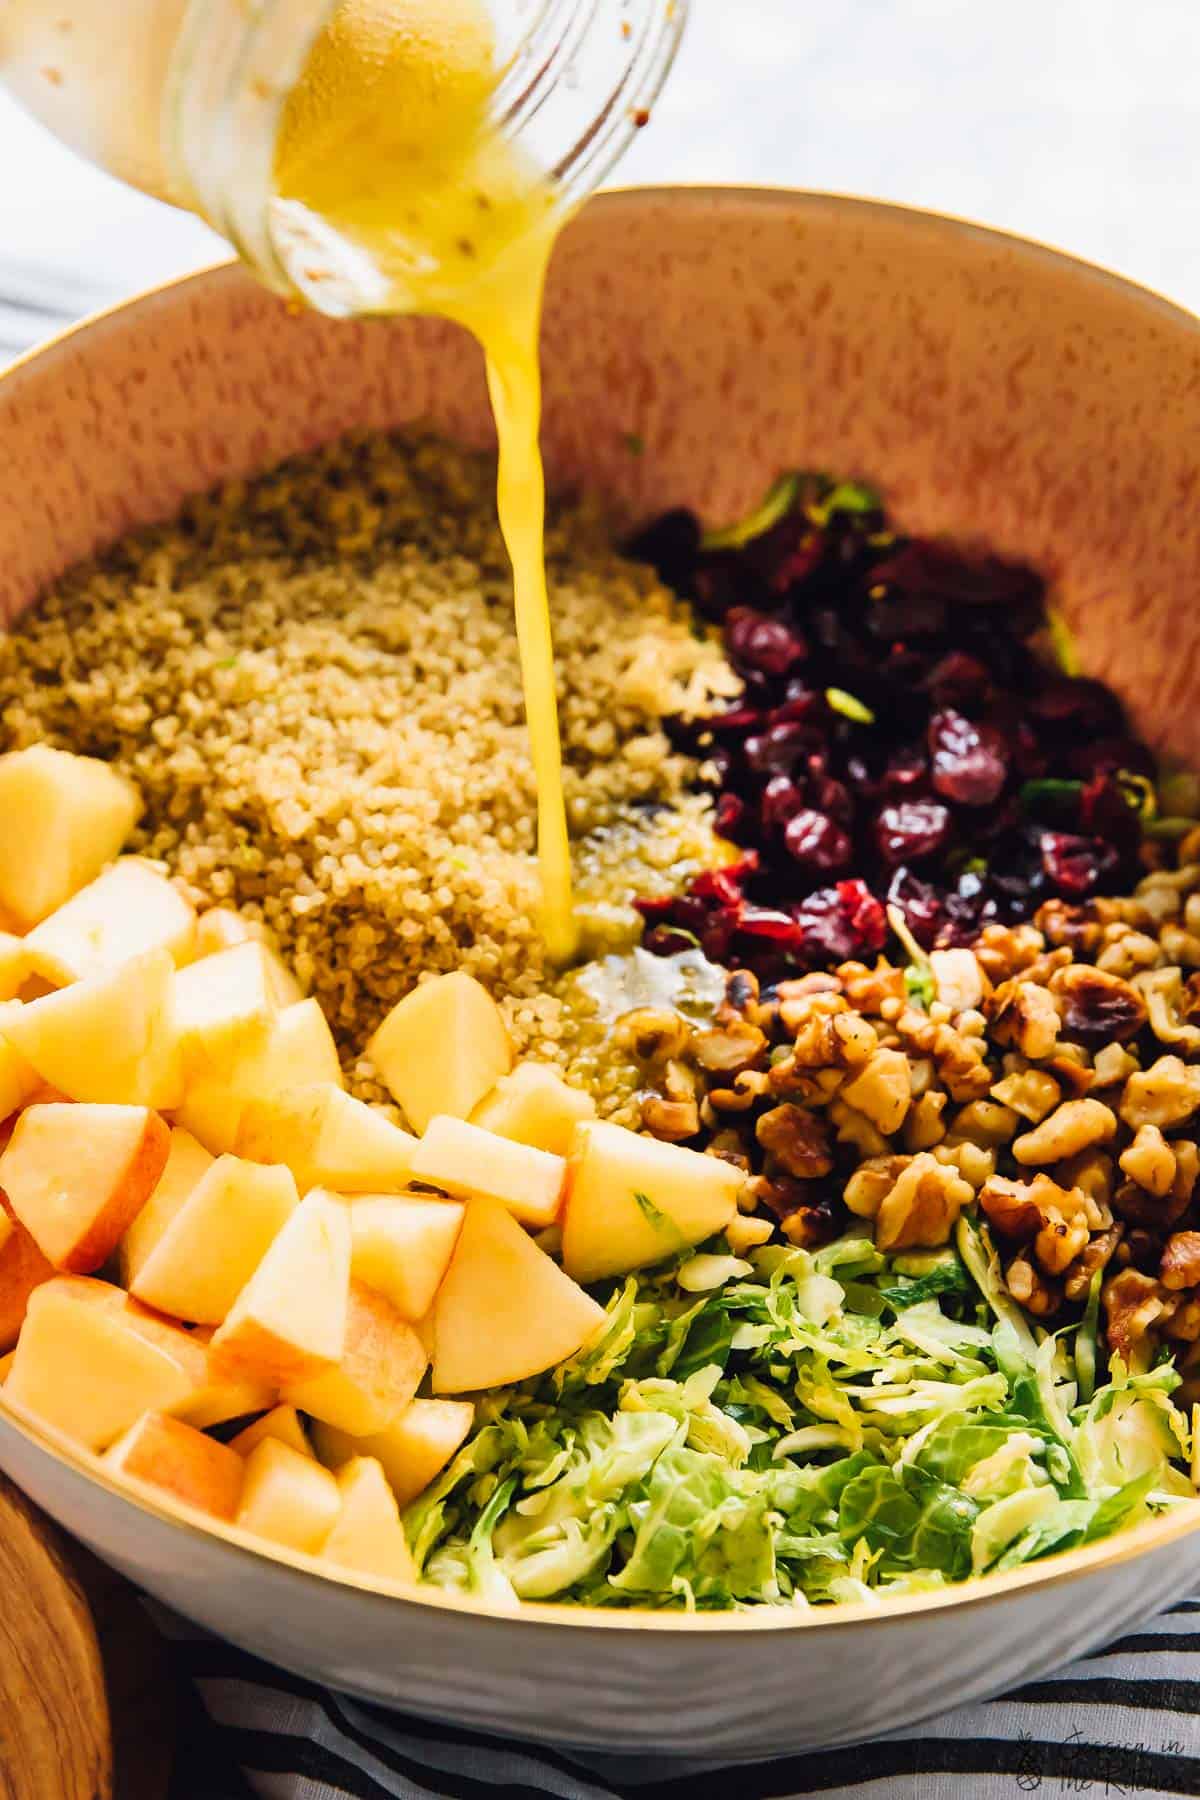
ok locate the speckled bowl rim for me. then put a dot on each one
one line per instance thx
(1070, 1566)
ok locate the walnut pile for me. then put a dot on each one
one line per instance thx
(1052, 1085)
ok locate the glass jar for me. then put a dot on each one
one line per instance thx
(186, 99)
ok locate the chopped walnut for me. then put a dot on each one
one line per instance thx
(1112, 1064)
(1130, 952)
(1072, 1069)
(800, 1003)
(1165, 1094)
(744, 1234)
(984, 1122)
(1024, 1014)
(839, 1041)
(729, 1049)
(854, 1127)
(1150, 1161)
(867, 989)
(881, 1089)
(1004, 950)
(922, 1207)
(1030, 1288)
(1096, 1254)
(797, 1140)
(961, 983)
(1076, 927)
(973, 1162)
(1030, 1092)
(1183, 1320)
(652, 1034)
(1091, 1170)
(958, 1059)
(1072, 1127)
(1097, 1007)
(1163, 992)
(1133, 1303)
(1180, 1266)
(871, 1182)
(679, 1082)
(1010, 1207)
(1187, 1167)
(810, 1226)
(741, 1094)
(923, 1128)
(670, 1120)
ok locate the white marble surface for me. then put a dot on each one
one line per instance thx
(1075, 121)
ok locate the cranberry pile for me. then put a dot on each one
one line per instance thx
(901, 740)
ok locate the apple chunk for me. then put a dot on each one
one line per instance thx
(534, 1105)
(224, 1006)
(470, 1163)
(110, 1037)
(327, 1139)
(367, 1537)
(632, 1200)
(282, 1423)
(297, 1051)
(22, 1269)
(216, 1397)
(381, 1366)
(19, 1080)
(14, 965)
(187, 1161)
(289, 1321)
(183, 1462)
(402, 1246)
(442, 1048)
(127, 910)
(62, 818)
(76, 1177)
(214, 1243)
(504, 1311)
(85, 1368)
(287, 1498)
(410, 1452)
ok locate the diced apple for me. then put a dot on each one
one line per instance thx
(288, 1498)
(14, 966)
(535, 1106)
(211, 1248)
(108, 1038)
(298, 1051)
(77, 1176)
(402, 1246)
(632, 1200)
(470, 1163)
(367, 1536)
(289, 1321)
(410, 1452)
(504, 1311)
(84, 1368)
(127, 910)
(442, 1048)
(224, 1007)
(380, 1369)
(216, 1397)
(187, 1161)
(220, 928)
(62, 818)
(327, 1139)
(281, 1423)
(22, 1269)
(19, 1080)
(183, 1462)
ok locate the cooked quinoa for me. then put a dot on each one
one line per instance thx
(313, 679)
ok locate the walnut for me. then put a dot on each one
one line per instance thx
(800, 1003)
(1150, 1161)
(961, 983)
(881, 1089)
(1076, 927)
(810, 1226)
(1133, 1303)
(670, 1120)
(1163, 992)
(1091, 1170)
(1010, 1207)
(973, 1162)
(1071, 1127)
(842, 1041)
(983, 1122)
(780, 1194)
(729, 1049)
(797, 1140)
(1155, 1212)
(741, 992)
(1071, 1068)
(1062, 1237)
(1131, 952)
(1187, 1167)
(1180, 1266)
(1097, 1008)
(922, 1207)
(1029, 1287)
(1165, 1094)
(1183, 1321)
(958, 1058)
(923, 1127)
(1003, 950)
(652, 1034)
(854, 1127)
(740, 1095)
(679, 1082)
(1112, 1064)
(1096, 1254)
(1030, 1092)
(867, 989)
(744, 1234)
(1024, 1014)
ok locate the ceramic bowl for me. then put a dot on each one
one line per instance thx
(994, 389)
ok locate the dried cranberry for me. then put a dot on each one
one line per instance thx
(763, 922)
(969, 763)
(957, 679)
(754, 640)
(668, 940)
(906, 769)
(921, 905)
(781, 801)
(729, 816)
(777, 750)
(910, 830)
(816, 843)
(1077, 865)
(1105, 812)
(841, 922)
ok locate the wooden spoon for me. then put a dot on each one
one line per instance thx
(62, 1701)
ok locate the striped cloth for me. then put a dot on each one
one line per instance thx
(1123, 1722)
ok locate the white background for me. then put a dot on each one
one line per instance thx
(1075, 121)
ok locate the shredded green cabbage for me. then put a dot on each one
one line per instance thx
(821, 1427)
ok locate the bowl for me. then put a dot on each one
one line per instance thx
(696, 343)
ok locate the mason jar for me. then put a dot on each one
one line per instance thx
(186, 100)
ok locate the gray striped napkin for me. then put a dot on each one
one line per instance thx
(1123, 1722)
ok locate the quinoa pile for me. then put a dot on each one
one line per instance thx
(313, 679)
